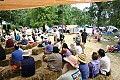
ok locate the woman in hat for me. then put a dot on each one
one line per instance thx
(73, 72)
(83, 66)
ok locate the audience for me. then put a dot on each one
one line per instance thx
(24, 41)
(27, 64)
(83, 66)
(48, 48)
(73, 72)
(104, 63)
(54, 60)
(9, 42)
(94, 65)
(16, 57)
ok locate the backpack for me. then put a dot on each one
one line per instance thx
(94, 68)
(78, 39)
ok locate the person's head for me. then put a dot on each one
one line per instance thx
(16, 46)
(49, 42)
(65, 45)
(26, 53)
(94, 56)
(84, 29)
(55, 50)
(55, 30)
(72, 45)
(101, 52)
(23, 35)
(71, 62)
(58, 40)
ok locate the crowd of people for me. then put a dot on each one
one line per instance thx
(72, 61)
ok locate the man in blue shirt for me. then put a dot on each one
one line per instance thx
(49, 48)
(16, 56)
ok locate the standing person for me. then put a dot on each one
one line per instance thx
(62, 37)
(92, 30)
(83, 66)
(73, 72)
(84, 36)
(78, 38)
(56, 35)
(104, 63)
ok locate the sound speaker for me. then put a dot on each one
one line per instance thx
(8, 27)
(4, 27)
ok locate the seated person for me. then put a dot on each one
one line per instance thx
(58, 44)
(65, 50)
(94, 66)
(113, 48)
(16, 57)
(73, 48)
(17, 37)
(24, 41)
(9, 42)
(27, 64)
(72, 72)
(83, 66)
(48, 48)
(104, 63)
(2, 53)
(41, 44)
(54, 60)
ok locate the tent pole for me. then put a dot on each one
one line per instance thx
(62, 17)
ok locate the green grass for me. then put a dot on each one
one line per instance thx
(111, 40)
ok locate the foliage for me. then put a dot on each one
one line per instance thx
(50, 15)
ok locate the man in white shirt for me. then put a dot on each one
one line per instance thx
(104, 63)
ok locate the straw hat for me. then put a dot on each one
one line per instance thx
(26, 53)
(72, 60)
(81, 57)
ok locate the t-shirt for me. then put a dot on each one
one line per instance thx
(55, 62)
(104, 65)
(84, 69)
(49, 48)
(71, 75)
(84, 35)
(17, 55)
(68, 53)
(79, 49)
(58, 45)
